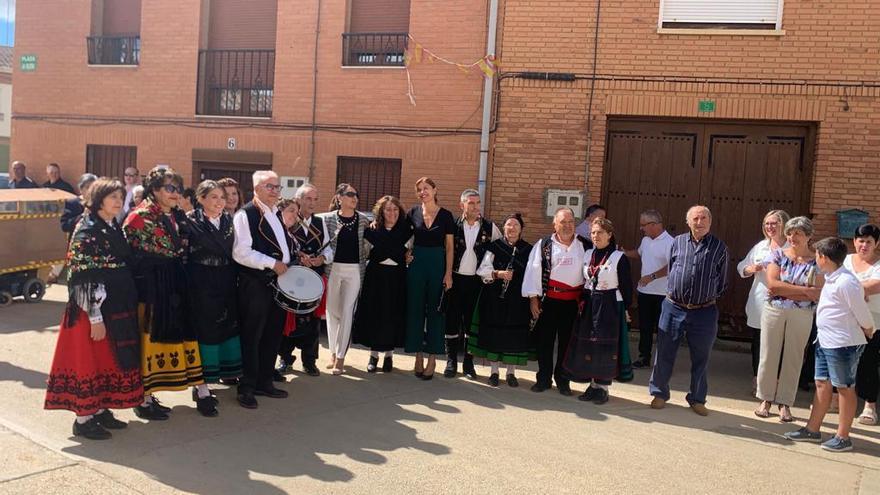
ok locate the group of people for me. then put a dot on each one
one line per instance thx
(168, 299)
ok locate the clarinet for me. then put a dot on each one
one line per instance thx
(509, 267)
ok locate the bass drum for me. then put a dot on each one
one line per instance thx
(299, 290)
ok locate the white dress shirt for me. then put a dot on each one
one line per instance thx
(842, 311)
(654, 254)
(328, 251)
(469, 261)
(567, 263)
(242, 250)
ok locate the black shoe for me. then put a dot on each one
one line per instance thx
(107, 420)
(589, 395)
(512, 381)
(371, 366)
(285, 366)
(641, 363)
(539, 388)
(229, 381)
(150, 412)
(387, 365)
(564, 390)
(278, 377)
(600, 397)
(207, 407)
(311, 370)
(493, 379)
(272, 393)
(247, 401)
(195, 396)
(451, 368)
(91, 429)
(426, 377)
(468, 368)
(159, 406)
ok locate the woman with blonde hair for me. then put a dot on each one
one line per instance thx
(753, 265)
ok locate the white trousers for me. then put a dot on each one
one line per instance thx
(343, 287)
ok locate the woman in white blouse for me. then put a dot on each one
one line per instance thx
(752, 265)
(865, 265)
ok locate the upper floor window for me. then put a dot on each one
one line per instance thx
(236, 69)
(377, 33)
(721, 14)
(115, 32)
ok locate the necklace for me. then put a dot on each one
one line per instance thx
(593, 269)
(346, 224)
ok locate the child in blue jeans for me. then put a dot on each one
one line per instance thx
(843, 321)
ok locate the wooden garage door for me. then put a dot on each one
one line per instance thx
(372, 177)
(243, 174)
(110, 161)
(739, 171)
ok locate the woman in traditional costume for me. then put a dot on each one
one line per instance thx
(595, 352)
(169, 345)
(97, 358)
(213, 287)
(380, 320)
(500, 332)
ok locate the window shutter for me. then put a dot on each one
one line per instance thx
(721, 11)
(121, 18)
(379, 16)
(242, 24)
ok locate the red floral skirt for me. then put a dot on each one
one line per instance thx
(85, 376)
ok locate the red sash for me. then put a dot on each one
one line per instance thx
(563, 292)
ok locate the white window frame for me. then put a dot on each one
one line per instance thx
(712, 30)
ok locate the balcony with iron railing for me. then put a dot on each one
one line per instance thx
(235, 83)
(373, 49)
(114, 50)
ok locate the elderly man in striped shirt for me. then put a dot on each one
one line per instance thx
(697, 278)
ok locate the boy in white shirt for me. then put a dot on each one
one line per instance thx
(843, 321)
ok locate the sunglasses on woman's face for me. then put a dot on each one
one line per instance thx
(350, 194)
(172, 188)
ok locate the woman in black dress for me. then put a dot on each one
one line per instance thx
(500, 332)
(380, 322)
(428, 276)
(213, 285)
(594, 352)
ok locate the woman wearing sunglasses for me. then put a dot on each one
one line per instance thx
(169, 347)
(345, 274)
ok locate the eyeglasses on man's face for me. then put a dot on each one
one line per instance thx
(645, 224)
(272, 187)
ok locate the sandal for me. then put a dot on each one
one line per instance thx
(785, 414)
(763, 411)
(868, 418)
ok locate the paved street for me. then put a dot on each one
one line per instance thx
(363, 433)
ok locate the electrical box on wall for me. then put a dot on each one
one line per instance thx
(557, 198)
(289, 184)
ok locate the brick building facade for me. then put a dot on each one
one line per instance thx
(140, 89)
(790, 115)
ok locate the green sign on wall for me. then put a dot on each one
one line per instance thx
(28, 63)
(706, 106)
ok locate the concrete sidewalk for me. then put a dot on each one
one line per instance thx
(364, 433)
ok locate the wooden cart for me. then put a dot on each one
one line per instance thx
(31, 241)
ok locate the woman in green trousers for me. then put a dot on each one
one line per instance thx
(429, 275)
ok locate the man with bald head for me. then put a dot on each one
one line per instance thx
(553, 281)
(697, 278)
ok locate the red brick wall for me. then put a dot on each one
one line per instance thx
(541, 140)
(163, 87)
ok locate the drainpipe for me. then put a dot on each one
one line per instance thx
(488, 88)
(314, 97)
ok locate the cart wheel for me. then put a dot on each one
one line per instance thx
(33, 290)
(5, 298)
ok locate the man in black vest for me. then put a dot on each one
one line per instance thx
(53, 172)
(553, 282)
(263, 251)
(473, 234)
(310, 234)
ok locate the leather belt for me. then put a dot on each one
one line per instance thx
(691, 306)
